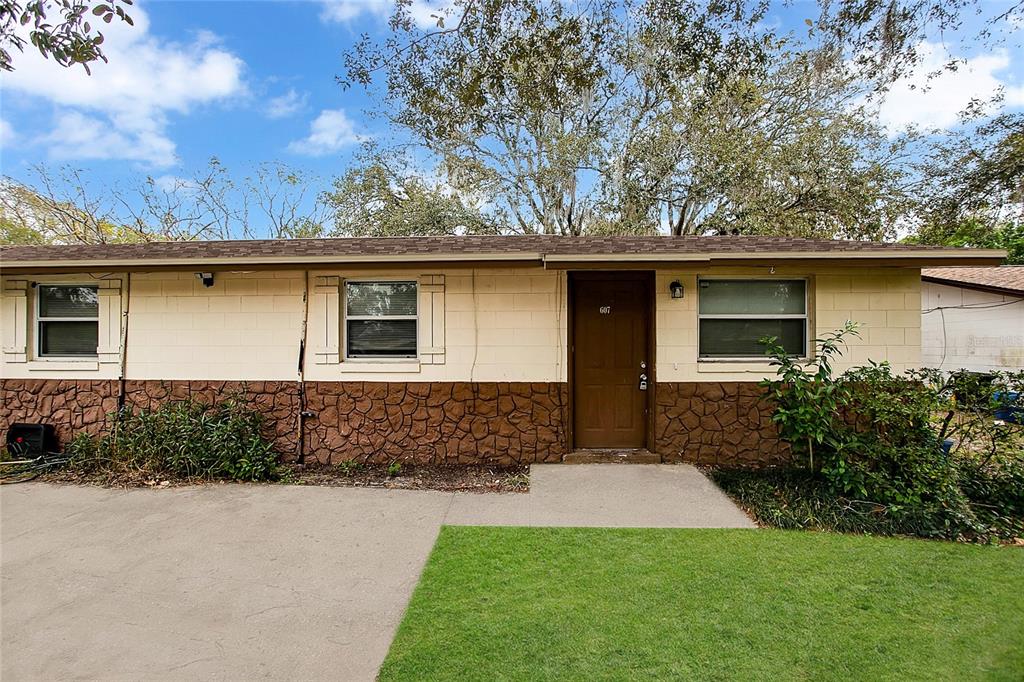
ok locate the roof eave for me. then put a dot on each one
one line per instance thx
(974, 286)
(972, 257)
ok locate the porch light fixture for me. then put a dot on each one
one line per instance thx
(676, 288)
(206, 278)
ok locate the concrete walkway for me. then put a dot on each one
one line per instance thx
(282, 582)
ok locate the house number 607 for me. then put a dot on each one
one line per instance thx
(605, 310)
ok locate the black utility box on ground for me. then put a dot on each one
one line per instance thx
(31, 440)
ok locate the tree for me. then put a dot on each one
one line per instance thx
(63, 207)
(382, 196)
(784, 149)
(972, 189)
(69, 38)
(620, 117)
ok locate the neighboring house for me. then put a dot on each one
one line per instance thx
(453, 350)
(973, 318)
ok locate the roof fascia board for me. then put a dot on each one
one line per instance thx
(245, 261)
(783, 255)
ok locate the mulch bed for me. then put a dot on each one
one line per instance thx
(468, 478)
(474, 479)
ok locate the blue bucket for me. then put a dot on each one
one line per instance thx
(1013, 413)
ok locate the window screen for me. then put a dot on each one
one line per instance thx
(380, 319)
(68, 321)
(735, 314)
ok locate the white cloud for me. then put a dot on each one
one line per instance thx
(331, 131)
(287, 104)
(7, 135)
(173, 183)
(937, 102)
(341, 11)
(424, 14)
(78, 136)
(120, 111)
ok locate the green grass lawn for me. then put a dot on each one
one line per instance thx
(575, 603)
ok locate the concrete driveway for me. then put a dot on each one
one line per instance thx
(284, 582)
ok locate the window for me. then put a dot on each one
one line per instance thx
(68, 320)
(733, 314)
(380, 319)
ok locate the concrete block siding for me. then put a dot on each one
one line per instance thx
(493, 330)
(499, 325)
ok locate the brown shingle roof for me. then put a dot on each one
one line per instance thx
(526, 247)
(1005, 278)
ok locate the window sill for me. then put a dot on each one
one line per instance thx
(63, 366)
(754, 366)
(395, 366)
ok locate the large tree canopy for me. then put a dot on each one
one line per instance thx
(634, 117)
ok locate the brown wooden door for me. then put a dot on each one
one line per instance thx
(610, 339)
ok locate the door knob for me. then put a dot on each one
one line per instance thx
(643, 382)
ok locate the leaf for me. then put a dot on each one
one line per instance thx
(100, 10)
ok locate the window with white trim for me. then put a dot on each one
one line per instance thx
(381, 319)
(67, 320)
(734, 314)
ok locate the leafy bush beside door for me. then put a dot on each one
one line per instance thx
(926, 450)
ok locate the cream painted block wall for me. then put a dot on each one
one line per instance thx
(247, 326)
(885, 301)
(500, 325)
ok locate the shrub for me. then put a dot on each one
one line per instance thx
(184, 439)
(877, 437)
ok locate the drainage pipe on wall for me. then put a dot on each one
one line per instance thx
(300, 455)
(126, 293)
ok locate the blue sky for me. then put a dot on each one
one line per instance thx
(255, 81)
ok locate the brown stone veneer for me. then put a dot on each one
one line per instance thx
(439, 423)
(436, 422)
(716, 423)
(71, 405)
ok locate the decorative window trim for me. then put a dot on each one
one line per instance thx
(755, 359)
(38, 320)
(345, 317)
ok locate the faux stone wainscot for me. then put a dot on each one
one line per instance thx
(430, 423)
(437, 422)
(717, 423)
(71, 405)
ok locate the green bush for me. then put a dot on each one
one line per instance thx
(182, 439)
(876, 437)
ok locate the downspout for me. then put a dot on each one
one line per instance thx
(300, 455)
(124, 343)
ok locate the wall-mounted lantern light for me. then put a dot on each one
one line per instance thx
(676, 288)
(206, 278)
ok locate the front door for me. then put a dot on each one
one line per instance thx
(611, 323)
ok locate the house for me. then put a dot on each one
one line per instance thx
(453, 349)
(973, 318)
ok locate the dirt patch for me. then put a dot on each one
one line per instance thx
(462, 478)
(474, 479)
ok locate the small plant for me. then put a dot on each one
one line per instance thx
(348, 467)
(394, 468)
(806, 395)
(520, 481)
